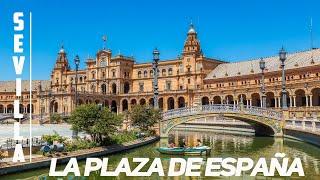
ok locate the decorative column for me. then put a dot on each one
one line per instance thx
(307, 101)
(294, 101)
(291, 99)
(310, 100)
(279, 102)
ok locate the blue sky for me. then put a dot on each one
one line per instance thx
(228, 30)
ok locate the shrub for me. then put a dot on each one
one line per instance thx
(51, 138)
(55, 118)
(78, 144)
(123, 137)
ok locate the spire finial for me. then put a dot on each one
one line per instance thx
(191, 29)
(61, 48)
(104, 38)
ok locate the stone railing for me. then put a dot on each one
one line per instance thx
(222, 108)
(303, 124)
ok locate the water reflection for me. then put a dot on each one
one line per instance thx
(223, 145)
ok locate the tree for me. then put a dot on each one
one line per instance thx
(55, 118)
(99, 123)
(144, 117)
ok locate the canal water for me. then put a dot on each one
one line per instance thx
(223, 145)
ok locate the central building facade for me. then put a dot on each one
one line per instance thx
(120, 83)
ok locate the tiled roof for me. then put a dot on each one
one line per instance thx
(10, 86)
(241, 68)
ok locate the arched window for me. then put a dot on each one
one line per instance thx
(103, 89)
(170, 71)
(114, 88)
(126, 87)
(145, 73)
(151, 73)
(93, 75)
(139, 74)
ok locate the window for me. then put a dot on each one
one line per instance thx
(170, 71)
(145, 73)
(189, 70)
(93, 75)
(139, 74)
(188, 81)
(181, 68)
(151, 73)
(164, 72)
(141, 87)
(113, 73)
(168, 85)
(103, 75)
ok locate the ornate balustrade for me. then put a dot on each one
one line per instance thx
(222, 108)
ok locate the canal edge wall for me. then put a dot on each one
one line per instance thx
(102, 151)
(302, 135)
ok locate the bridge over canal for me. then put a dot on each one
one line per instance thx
(265, 121)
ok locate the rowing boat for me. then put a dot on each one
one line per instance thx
(202, 150)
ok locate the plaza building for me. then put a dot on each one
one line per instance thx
(190, 79)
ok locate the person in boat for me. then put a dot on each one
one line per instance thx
(183, 143)
(199, 143)
(172, 145)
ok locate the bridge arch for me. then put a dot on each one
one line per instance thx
(266, 122)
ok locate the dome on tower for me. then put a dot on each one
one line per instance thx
(61, 50)
(192, 30)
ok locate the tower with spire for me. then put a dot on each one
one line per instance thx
(61, 67)
(192, 44)
(62, 61)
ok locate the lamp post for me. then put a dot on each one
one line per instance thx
(283, 57)
(156, 54)
(262, 64)
(77, 62)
